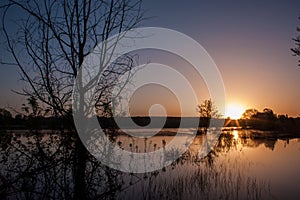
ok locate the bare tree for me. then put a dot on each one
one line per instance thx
(50, 44)
(54, 38)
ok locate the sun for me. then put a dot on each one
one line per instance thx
(234, 111)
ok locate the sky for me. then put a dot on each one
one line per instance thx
(249, 41)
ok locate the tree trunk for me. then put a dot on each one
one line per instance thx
(80, 159)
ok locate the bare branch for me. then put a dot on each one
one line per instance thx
(53, 41)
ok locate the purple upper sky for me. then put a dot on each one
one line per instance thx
(250, 42)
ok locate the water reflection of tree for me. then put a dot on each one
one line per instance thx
(43, 166)
(35, 166)
(51, 41)
(253, 143)
(246, 138)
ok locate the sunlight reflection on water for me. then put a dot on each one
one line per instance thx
(244, 160)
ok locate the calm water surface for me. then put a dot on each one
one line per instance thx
(240, 167)
(273, 164)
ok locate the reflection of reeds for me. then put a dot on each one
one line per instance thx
(203, 182)
(192, 178)
(38, 166)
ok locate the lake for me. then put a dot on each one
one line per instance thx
(244, 164)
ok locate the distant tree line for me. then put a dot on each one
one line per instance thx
(36, 117)
(268, 120)
(23, 121)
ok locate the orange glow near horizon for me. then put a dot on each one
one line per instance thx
(234, 110)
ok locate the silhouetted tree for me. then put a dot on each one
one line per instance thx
(56, 36)
(5, 114)
(249, 113)
(207, 109)
(32, 108)
(283, 117)
(266, 120)
(296, 50)
(50, 44)
(252, 113)
(5, 117)
(267, 114)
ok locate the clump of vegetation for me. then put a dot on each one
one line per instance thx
(268, 120)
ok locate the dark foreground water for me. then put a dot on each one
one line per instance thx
(243, 165)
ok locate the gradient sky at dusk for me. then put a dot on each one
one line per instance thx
(249, 41)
